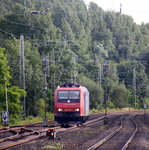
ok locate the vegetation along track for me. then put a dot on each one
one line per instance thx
(120, 138)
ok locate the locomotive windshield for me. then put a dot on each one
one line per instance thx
(69, 96)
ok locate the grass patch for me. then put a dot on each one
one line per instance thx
(102, 127)
(58, 146)
(94, 111)
(31, 119)
(88, 132)
(111, 110)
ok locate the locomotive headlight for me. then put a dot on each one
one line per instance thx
(60, 109)
(77, 109)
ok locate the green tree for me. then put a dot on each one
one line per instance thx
(96, 92)
(126, 76)
(14, 93)
(119, 96)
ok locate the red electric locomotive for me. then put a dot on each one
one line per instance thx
(71, 104)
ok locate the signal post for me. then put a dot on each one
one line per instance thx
(45, 68)
(105, 72)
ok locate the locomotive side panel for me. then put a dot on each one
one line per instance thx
(81, 102)
(86, 102)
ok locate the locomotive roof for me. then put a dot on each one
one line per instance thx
(70, 84)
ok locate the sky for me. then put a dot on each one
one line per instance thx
(137, 9)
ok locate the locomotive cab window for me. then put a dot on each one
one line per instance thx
(73, 96)
(62, 95)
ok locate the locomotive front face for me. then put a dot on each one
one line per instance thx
(67, 105)
(67, 101)
(71, 105)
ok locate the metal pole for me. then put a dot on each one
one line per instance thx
(99, 75)
(74, 70)
(45, 82)
(75, 73)
(54, 80)
(24, 7)
(54, 85)
(145, 106)
(144, 113)
(51, 100)
(105, 71)
(120, 8)
(45, 66)
(51, 92)
(6, 95)
(134, 86)
(105, 100)
(22, 71)
(99, 81)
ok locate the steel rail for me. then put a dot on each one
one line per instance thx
(12, 144)
(12, 129)
(132, 136)
(4, 128)
(108, 137)
(95, 146)
(18, 143)
(9, 138)
(95, 120)
(38, 134)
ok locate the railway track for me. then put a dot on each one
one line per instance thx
(98, 120)
(24, 135)
(4, 128)
(51, 124)
(140, 142)
(11, 129)
(15, 128)
(120, 138)
(21, 137)
(16, 135)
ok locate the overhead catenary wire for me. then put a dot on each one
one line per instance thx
(6, 32)
(49, 6)
(39, 44)
(52, 42)
(35, 27)
(12, 35)
(23, 24)
(42, 12)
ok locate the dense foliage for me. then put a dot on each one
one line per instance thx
(13, 92)
(77, 40)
